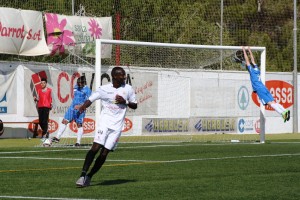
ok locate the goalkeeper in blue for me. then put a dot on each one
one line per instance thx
(263, 93)
(81, 94)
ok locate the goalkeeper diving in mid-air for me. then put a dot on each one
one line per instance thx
(258, 87)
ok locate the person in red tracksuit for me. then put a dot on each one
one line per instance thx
(44, 104)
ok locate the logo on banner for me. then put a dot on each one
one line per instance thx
(257, 126)
(245, 125)
(243, 98)
(241, 125)
(66, 31)
(3, 109)
(34, 127)
(26, 34)
(88, 126)
(167, 125)
(127, 125)
(149, 126)
(216, 125)
(198, 125)
(280, 90)
(58, 35)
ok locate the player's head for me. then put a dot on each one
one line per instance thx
(118, 76)
(43, 82)
(81, 81)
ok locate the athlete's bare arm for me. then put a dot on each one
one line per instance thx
(251, 56)
(246, 56)
(86, 104)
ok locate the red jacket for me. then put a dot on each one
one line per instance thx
(45, 98)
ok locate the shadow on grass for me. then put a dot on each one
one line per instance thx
(114, 182)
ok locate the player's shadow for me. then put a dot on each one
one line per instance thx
(114, 182)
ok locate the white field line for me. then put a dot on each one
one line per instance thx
(49, 149)
(157, 161)
(50, 198)
(40, 158)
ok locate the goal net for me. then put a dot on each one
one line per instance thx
(185, 93)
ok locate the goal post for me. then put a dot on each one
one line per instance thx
(182, 55)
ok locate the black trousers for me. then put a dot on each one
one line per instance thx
(43, 118)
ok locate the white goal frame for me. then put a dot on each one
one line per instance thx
(100, 42)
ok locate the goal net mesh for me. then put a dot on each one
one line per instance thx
(196, 93)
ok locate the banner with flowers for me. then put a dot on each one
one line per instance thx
(22, 32)
(74, 34)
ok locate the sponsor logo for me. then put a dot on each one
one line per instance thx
(34, 126)
(127, 125)
(216, 125)
(198, 125)
(257, 126)
(243, 98)
(149, 126)
(3, 98)
(245, 125)
(241, 125)
(280, 90)
(88, 126)
(167, 125)
(3, 109)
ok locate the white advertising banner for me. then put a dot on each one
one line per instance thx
(22, 32)
(77, 34)
(182, 102)
(60, 80)
(63, 79)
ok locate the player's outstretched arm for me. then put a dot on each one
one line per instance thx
(251, 56)
(86, 104)
(246, 56)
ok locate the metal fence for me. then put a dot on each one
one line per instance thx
(266, 23)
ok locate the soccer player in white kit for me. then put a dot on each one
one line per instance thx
(116, 97)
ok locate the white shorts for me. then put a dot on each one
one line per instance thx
(107, 137)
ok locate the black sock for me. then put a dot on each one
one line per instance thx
(98, 164)
(88, 161)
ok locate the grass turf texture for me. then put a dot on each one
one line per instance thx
(155, 171)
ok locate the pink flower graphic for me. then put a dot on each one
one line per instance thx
(57, 35)
(94, 29)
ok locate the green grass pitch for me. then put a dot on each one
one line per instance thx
(188, 170)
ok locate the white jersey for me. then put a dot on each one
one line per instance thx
(112, 114)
